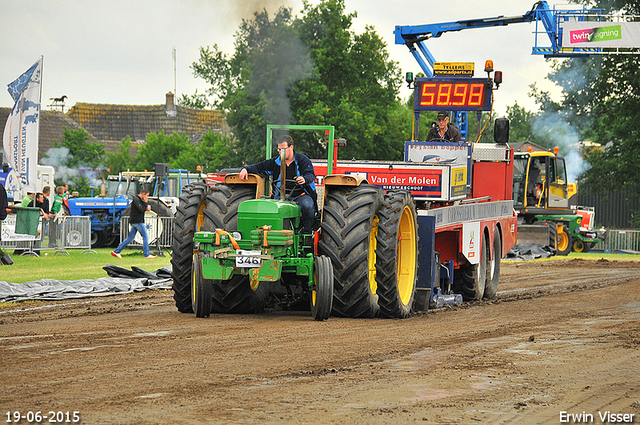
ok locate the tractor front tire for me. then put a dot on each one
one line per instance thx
(188, 220)
(201, 290)
(581, 246)
(321, 298)
(396, 255)
(348, 238)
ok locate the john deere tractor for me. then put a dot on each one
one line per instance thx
(233, 246)
(270, 248)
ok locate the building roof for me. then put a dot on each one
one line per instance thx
(109, 124)
(52, 125)
(116, 122)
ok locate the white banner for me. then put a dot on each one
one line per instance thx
(20, 139)
(9, 234)
(600, 34)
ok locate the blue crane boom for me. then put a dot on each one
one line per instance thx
(414, 36)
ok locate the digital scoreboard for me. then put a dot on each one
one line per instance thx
(452, 94)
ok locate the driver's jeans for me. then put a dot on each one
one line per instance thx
(307, 209)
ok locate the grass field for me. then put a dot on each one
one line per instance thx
(89, 266)
(75, 265)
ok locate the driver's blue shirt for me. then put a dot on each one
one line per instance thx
(301, 166)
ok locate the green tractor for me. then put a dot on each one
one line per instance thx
(273, 249)
(233, 247)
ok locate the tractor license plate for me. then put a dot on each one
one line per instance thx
(250, 259)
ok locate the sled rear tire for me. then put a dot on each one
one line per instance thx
(396, 255)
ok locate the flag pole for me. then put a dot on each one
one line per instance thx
(40, 108)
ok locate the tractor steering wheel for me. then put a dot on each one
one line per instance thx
(287, 195)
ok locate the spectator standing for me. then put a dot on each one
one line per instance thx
(57, 201)
(138, 207)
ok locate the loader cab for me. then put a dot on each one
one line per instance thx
(117, 187)
(540, 181)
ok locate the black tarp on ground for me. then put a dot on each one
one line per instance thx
(529, 252)
(120, 281)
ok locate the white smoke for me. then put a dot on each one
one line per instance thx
(554, 127)
(59, 159)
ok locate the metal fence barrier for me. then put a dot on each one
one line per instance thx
(70, 232)
(620, 240)
(58, 233)
(159, 229)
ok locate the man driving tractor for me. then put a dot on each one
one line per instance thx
(300, 179)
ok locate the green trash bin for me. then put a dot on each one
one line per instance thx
(27, 220)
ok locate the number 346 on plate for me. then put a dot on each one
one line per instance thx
(246, 258)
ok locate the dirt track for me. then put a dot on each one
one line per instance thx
(566, 342)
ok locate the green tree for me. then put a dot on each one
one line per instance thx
(354, 86)
(311, 70)
(196, 100)
(519, 123)
(82, 151)
(121, 159)
(216, 151)
(160, 148)
(616, 125)
(77, 160)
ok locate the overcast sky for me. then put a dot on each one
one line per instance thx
(120, 52)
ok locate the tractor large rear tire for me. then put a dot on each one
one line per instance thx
(472, 279)
(99, 239)
(188, 220)
(223, 202)
(348, 238)
(238, 294)
(396, 255)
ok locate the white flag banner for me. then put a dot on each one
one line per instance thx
(20, 141)
(600, 34)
